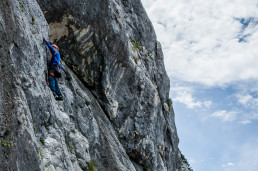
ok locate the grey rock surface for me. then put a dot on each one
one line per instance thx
(115, 115)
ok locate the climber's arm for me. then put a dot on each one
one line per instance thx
(52, 50)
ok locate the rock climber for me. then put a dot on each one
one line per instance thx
(54, 70)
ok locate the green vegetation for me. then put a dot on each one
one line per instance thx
(34, 127)
(41, 153)
(141, 51)
(169, 103)
(92, 166)
(21, 6)
(185, 161)
(148, 54)
(42, 140)
(5, 143)
(68, 148)
(146, 169)
(33, 20)
(136, 45)
(136, 59)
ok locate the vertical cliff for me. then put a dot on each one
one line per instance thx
(116, 113)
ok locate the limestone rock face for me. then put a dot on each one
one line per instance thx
(115, 114)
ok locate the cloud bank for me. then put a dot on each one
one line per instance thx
(208, 42)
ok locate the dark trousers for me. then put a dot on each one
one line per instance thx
(53, 83)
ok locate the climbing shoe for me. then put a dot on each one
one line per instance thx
(59, 98)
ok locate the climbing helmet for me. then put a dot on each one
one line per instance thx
(55, 46)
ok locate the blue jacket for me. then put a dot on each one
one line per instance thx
(55, 60)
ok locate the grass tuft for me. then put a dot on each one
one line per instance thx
(136, 59)
(33, 20)
(21, 7)
(68, 148)
(42, 140)
(5, 143)
(136, 46)
(92, 166)
(169, 103)
(185, 161)
(41, 153)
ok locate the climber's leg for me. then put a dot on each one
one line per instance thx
(58, 91)
(52, 82)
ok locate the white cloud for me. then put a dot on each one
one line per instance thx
(228, 165)
(200, 39)
(225, 116)
(247, 100)
(191, 161)
(187, 99)
(184, 95)
(244, 99)
(245, 122)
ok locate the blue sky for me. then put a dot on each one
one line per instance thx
(211, 56)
